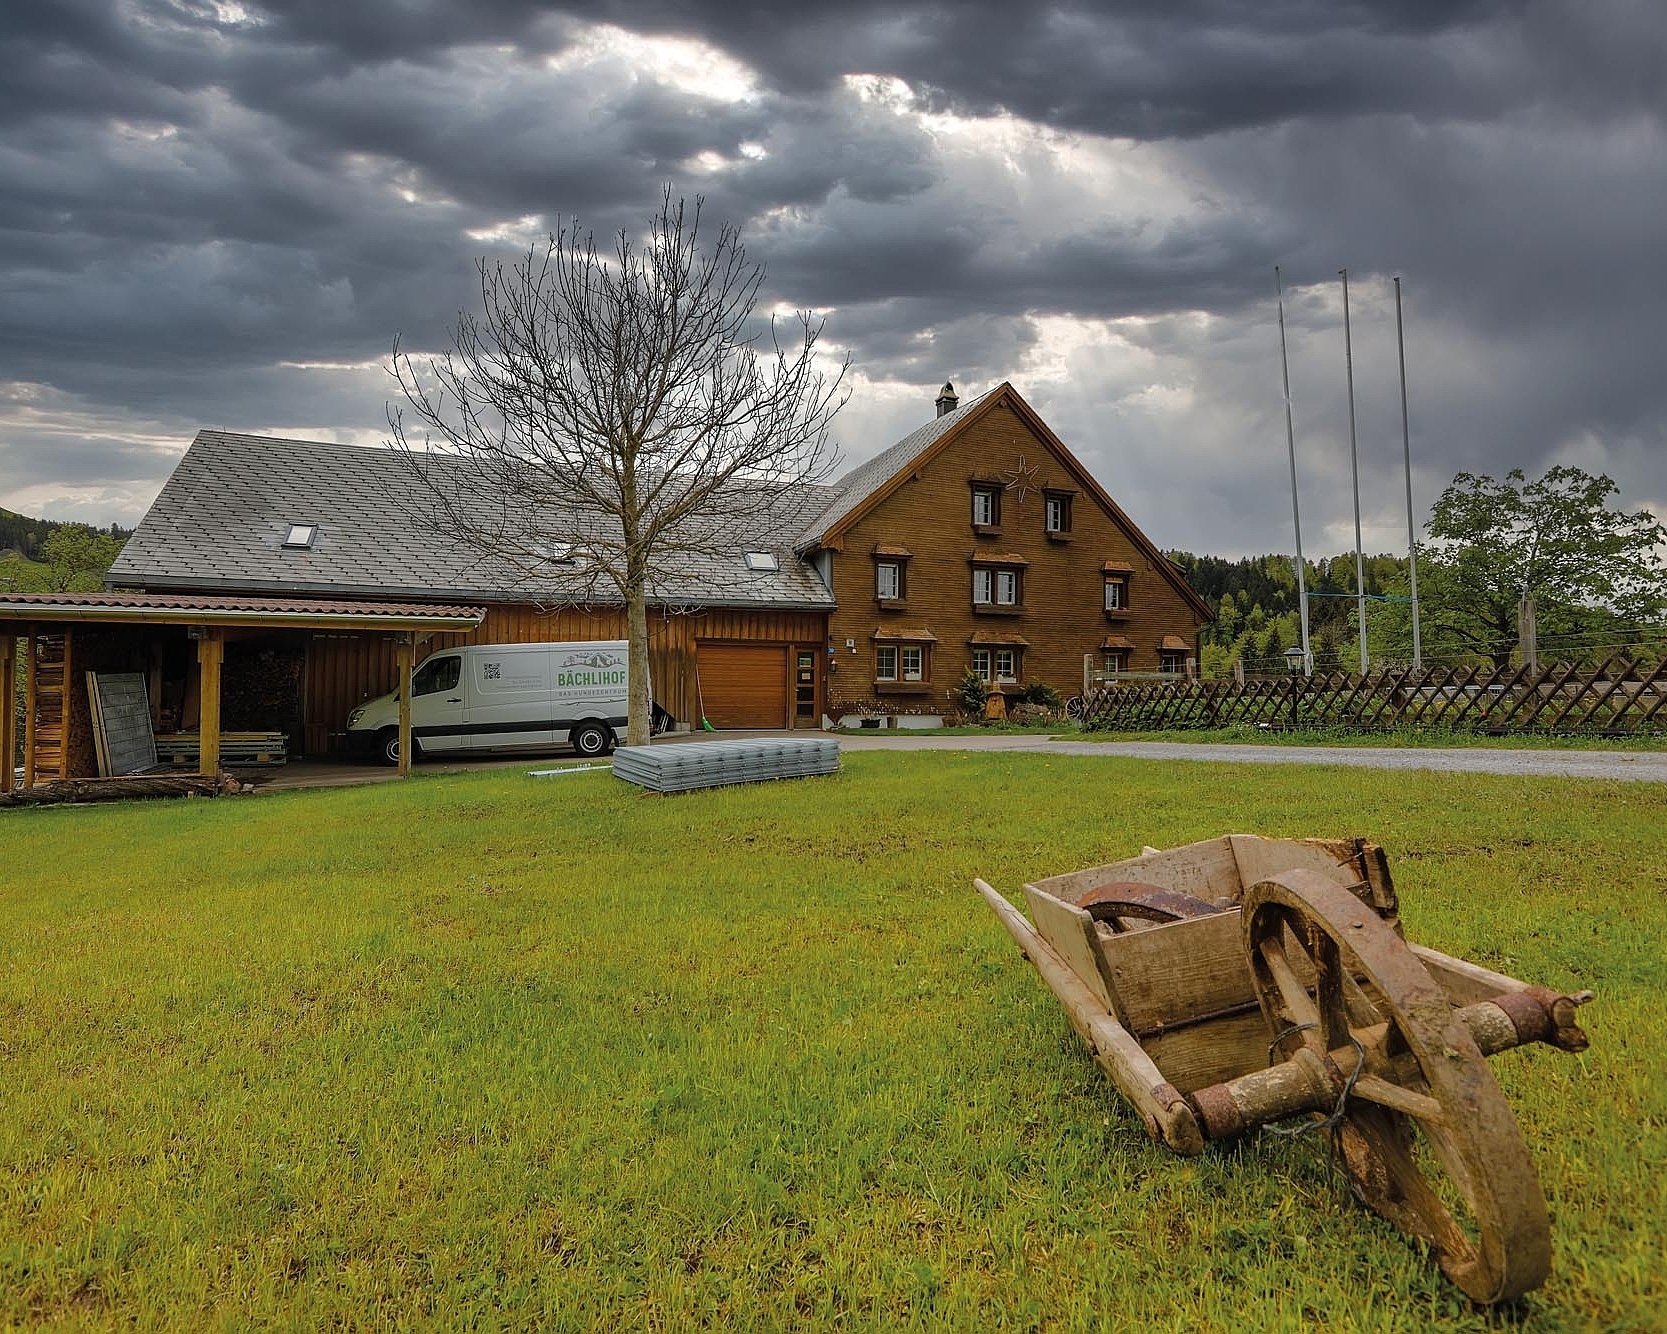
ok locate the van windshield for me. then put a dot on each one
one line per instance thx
(437, 674)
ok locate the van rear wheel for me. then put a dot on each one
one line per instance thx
(387, 745)
(591, 740)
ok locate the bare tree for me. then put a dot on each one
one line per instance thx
(607, 419)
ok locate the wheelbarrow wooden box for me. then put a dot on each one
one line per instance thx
(1240, 981)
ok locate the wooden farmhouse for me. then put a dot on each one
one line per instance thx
(275, 584)
(980, 541)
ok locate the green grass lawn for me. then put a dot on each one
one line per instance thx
(485, 1051)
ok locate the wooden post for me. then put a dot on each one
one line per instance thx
(211, 652)
(8, 702)
(1526, 633)
(403, 650)
(31, 684)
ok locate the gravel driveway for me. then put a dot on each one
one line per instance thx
(1634, 766)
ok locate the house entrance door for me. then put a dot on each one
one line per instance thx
(804, 688)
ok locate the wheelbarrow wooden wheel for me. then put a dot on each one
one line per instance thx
(1417, 1100)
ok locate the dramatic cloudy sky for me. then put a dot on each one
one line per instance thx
(216, 213)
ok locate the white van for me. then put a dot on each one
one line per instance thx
(504, 697)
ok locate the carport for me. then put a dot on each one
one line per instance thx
(49, 641)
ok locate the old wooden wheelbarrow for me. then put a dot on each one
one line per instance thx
(1242, 981)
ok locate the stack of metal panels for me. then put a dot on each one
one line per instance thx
(683, 766)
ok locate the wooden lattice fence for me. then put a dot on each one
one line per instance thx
(1618, 698)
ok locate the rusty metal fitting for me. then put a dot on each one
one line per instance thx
(1540, 1014)
(1217, 1113)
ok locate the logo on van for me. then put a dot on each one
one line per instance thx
(591, 669)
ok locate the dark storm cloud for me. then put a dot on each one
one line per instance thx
(194, 194)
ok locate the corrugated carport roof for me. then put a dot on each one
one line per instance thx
(187, 609)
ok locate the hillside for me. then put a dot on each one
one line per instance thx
(27, 536)
(46, 556)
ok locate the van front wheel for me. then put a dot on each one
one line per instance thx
(387, 745)
(590, 740)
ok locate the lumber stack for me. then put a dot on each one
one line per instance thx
(684, 766)
(238, 750)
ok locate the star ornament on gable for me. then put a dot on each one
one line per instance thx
(1021, 479)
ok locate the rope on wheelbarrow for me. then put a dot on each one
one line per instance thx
(1338, 1112)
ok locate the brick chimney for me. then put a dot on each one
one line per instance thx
(947, 401)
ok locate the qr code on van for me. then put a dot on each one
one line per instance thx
(490, 670)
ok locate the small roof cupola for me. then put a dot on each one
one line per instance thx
(946, 399)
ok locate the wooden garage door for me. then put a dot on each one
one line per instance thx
(743, 685)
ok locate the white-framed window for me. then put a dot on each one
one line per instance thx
(1116, 660)
(888, 580)
(885, 662)
(1117, 593)
(1056, 514)
(996, 587)
(1172, 661)
(914, 662)
(301, 536)
(986, 506)
(762, 561)
(999, 666)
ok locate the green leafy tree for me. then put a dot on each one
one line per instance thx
(1559, 539)
(78, 557)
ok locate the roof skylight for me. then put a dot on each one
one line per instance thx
(762, 561)
(301, 536)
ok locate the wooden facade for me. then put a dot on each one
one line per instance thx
(1042, 595)
(344, 670)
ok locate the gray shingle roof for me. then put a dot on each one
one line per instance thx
(221, 519)
(867, 478)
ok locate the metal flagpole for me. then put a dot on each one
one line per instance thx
(1406, 453)
(1291, 450)
(1354, 463)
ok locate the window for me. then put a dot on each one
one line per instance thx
(997, 587)
(888, 581)
(1117, 660)
(998, 666)
(301, 536)
(762, 561)
(437, 674)
(1056, 513)
(1117, 592)
(1172, 661)
(986, 506)
(902, 669)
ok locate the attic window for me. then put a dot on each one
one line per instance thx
(560, 553)
(762, 561)
(301, 536)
